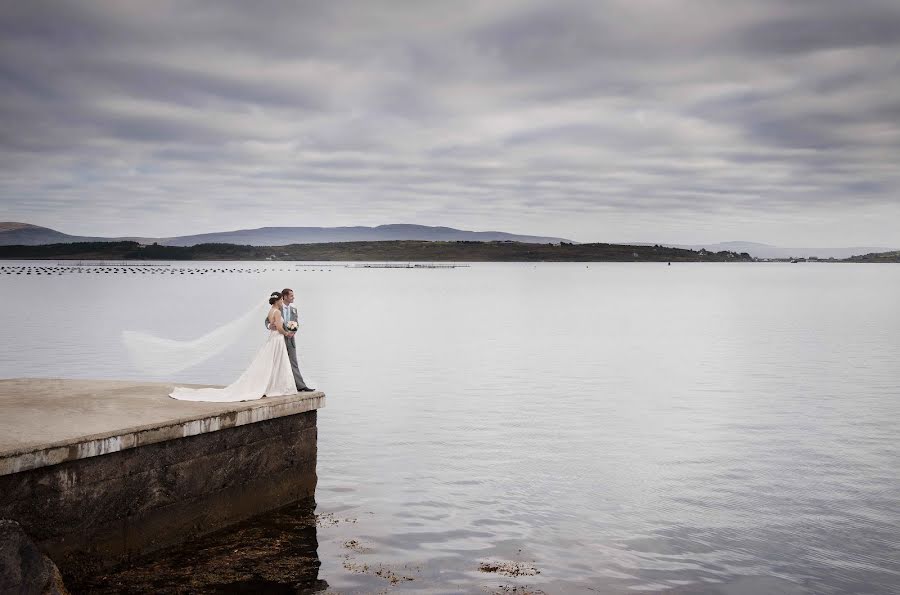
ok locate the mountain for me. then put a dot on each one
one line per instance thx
(282, 236)
(32, 235)
(25, 234)
(768, 251)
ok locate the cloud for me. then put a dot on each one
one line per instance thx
(670, 120)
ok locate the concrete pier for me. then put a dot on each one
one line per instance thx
(97, 471)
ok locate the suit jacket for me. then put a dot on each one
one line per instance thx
(292, 315)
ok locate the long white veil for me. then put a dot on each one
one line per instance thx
(157, 355)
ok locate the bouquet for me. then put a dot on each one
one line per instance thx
(291, 326)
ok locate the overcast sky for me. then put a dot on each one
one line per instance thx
(630, 120)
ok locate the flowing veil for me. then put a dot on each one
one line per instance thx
(157, 355)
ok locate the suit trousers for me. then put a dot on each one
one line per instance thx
(292, 355)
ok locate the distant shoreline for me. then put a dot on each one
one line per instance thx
(397, 251)
(387, 251)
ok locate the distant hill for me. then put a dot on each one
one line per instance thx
(758, 250)
(24, 234)
(891, 256)
(282, 236)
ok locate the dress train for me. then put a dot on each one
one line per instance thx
(269, 375)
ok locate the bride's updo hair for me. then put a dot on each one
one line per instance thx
(276, 295)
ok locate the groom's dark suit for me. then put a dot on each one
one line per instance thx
(292, 347)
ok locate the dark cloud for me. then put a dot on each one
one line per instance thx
(825, 26)
(612, 120)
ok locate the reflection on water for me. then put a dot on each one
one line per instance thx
(620, 428)
(273, 553)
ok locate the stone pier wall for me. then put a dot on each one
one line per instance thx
(92, 512)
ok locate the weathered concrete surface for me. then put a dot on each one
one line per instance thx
(173, 470)
(47, 422)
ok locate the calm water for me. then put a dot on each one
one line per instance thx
(617, 427)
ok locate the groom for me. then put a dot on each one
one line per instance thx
(288, 313)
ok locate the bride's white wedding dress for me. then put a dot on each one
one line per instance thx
(269, 375)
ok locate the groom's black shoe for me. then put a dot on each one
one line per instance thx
(306, 389)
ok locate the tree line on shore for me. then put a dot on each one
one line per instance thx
(405, 250)
(401, 250)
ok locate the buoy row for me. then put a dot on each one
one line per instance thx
(137, 270)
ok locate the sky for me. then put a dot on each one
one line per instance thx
(671, 121)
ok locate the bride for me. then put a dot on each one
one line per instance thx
(269, 374)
